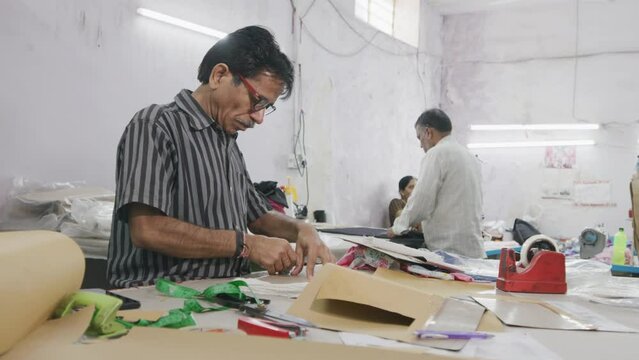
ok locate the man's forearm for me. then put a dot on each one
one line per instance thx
(276, 225)
(154, 231)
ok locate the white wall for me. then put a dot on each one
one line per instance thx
(361, 102)
(75, 71)
(518, 65)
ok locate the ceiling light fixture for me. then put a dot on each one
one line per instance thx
(490, 127)
(512, 144)
(181, 23)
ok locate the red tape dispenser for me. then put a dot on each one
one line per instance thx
(542, 268)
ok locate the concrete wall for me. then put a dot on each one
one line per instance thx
(75, 71)
(361, 98)
(558, 62)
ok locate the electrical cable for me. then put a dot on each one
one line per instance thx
(303, 123)
(421, 79)
(300, 166)
(307, 9)
(367, 41)
(335, 53)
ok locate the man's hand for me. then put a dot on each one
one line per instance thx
(310, 245)
(274, 254)
(390, 233)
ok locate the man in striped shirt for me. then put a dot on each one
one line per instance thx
(184, 199)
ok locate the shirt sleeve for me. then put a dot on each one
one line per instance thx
(145, 170)
(421, 203)
(256, 204)
(394, 206)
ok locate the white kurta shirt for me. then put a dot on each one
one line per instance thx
(447, 200)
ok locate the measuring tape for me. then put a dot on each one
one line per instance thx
(105, 323)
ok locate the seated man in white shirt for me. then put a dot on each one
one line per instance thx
(447, 199)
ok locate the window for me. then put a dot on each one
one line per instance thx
(397, 18)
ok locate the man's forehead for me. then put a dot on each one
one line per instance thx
(267, 76)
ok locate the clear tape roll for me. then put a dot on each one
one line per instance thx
(539, 242)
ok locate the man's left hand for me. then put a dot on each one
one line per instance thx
(309, 244)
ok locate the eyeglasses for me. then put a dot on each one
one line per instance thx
(258, 102)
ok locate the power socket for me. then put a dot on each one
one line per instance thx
(300, 163)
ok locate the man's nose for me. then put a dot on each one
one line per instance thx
(257, 116)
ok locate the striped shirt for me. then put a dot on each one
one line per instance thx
(178, 160)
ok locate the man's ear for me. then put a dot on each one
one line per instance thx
(218, 74)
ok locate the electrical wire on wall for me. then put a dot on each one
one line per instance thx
(299, 145)
(300, 140)
(367, 42)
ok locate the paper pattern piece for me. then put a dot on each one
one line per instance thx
(557, 184)
(58, 336)
(600, 322)
(500, 347)
(348, 300)
(489, 322)
(454, 315)
(593, 193)
(435, 286)
(516, 311)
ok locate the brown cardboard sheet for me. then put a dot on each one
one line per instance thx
(137, 314)
(37, 270)
(347, 300)
(52, 335)
(445, 288)
(176, 344)
(58, 337)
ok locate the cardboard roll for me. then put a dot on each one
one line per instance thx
(533, 245)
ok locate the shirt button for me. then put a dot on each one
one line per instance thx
(231, 188)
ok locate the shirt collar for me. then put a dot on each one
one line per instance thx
(198, 118)
(445, 139)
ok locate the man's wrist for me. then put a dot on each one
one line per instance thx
(239, 243)
(243, 249)
(303, 227)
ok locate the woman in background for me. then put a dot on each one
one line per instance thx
(406, 186)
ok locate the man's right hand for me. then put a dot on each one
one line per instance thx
(274, 254)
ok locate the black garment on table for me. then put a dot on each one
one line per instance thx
(411, 239)
(522, 230)
(270, 191)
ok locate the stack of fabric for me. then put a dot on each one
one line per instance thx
(79, 211)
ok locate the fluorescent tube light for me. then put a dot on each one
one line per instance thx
(486, 127)
(487, 145)
(181, 23)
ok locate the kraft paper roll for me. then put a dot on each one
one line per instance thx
(37, 270)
